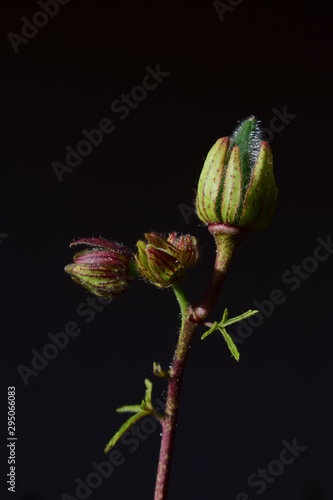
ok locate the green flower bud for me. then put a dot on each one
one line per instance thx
(163, 261)
(237, 185)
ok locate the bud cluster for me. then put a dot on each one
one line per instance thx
(236, 192)
(106, 268)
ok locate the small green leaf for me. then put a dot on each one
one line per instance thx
(211, 330)
(134, 418)
(226, 322)
(149, 388)
(232, 347)
(237, 319)
(129, 409)
(159, 372)
(140, 411)
(225, 316)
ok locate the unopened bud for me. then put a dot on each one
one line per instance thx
(105, 269)
(163, 261)
(237, 185)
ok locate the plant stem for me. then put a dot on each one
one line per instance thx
(226, 239)
(172, 406)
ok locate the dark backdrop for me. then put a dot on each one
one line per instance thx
(262, 58)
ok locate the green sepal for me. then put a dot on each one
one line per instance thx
(210, 186)
(255, 198)
(270, 199)
(246, 137)
(133, 269)
(232, 189)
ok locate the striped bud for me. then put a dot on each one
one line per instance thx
(237, 185)
(188, 248)
(104, 270)
(163, 261)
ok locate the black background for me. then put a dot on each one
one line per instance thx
(234, 417)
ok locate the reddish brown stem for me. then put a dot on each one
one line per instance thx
(226, 238)
(171, 412)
